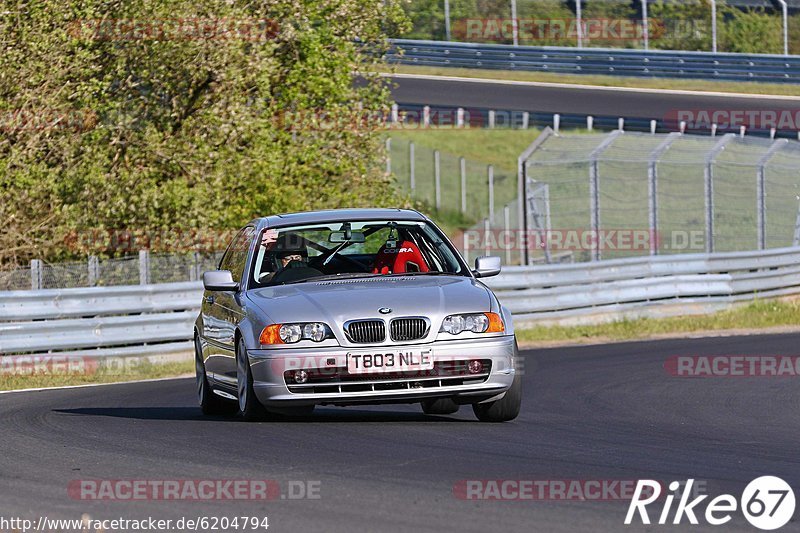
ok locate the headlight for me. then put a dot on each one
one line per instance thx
(475, 322)
(292, 333)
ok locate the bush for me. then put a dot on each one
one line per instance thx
(106, 130)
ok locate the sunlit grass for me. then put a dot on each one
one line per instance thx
(757, 315)
(142, 370)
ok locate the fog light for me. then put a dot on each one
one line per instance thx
(300, 376)
(475, 367)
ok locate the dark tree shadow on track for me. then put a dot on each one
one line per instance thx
(321, 415)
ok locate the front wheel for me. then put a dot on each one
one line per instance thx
(210, 403)
(249, 406)
(504, 409)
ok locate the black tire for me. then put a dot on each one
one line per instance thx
(506, 408)
(249, 406)
(210, 403)
(439, 406)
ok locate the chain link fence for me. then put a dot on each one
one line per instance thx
(627, 194)
(142, 269)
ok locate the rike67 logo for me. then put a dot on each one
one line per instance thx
(767, 503)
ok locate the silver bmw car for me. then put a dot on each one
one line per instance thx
(349, 307)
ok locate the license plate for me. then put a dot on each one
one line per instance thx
(389, 361)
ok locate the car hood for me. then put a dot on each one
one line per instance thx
(337, 301)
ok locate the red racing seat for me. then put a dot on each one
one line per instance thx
(405, 257)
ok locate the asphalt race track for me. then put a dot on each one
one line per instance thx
(590, 413)
(648, 104)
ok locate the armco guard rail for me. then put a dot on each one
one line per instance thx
(608, 61)
(153, 319)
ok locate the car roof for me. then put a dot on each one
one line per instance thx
(340, 215)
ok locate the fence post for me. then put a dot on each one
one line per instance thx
(507, 228)
(94, 270)
(460, 117)
(594, 191)
(437, 179)
(708, 179)
(714, 26)
(645, 27)
(447, 20)
(487, 227)
(426, 116)
(491, 119)
(761, 191)
(652, 189)
(395, 114)
(653, 126)
(526, 118)
(144, 267)
(463, 168)
(514, 23)
(194, 270)
(556, 122)
(490, 172)
(388, 155)
(36, 274)
(412, 178)
(590, 122)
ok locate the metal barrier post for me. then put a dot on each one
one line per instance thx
(761, 201)
(144, 267)
(36, 274)
(94, 270)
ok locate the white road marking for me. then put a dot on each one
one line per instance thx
(593, 87)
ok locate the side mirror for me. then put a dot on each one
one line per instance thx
(219, 280)
(486, 266)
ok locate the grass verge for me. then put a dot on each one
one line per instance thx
(758, 315)
(142, 370)
(778, 89)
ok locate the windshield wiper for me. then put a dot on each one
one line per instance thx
(328, 277)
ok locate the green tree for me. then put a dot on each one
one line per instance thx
(114, 125)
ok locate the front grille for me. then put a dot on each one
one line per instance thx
(408, 329)
(366, 331)
(337, 380)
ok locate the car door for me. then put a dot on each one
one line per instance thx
(225, 311)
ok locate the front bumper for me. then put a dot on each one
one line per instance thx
(269, 366)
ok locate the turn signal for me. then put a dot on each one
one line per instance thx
(271, 335)
(495, 323)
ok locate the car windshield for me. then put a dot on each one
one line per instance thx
(351, 249)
